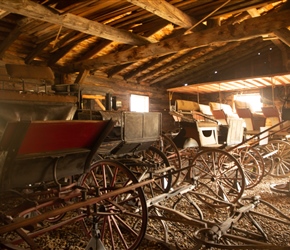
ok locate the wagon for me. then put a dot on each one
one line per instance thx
(133, 143)
(49, 175)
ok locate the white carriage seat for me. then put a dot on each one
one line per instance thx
(235, 131)
(208, 134)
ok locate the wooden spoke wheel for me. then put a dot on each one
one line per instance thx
(281, 157)
(168, 147)
(252, 164)
(218, 175)
(121, 219)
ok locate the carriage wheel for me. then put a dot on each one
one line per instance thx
(281, 158)
(251, 163)
(219, 176)
(168, 147)
(267, 158)
(121, 219)
(152, 164)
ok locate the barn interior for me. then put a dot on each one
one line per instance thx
(75, 60)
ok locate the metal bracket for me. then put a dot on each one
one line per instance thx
(95, 242)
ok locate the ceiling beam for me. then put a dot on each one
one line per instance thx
(284, 35)
(249, 29)
(191, 55)
(36, 51)
(166, 11)
(3, 13)
(74, 22)
(22, 26)
(204, 73)
(181, 72)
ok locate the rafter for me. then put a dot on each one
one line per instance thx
(3, 13)
(191, 55)
(284, 35)
(201, 57)
(13, 35)
(202, 73)
(37, 50)
(68, 20)
(166, 11)
(145, 66)
(227, 33)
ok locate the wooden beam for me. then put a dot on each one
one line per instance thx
(166, 11)
(145, 66)
(218, 62)
(190, 55)
(116, 69)
(13, 35)
(249, 29)
(284, 35)
(74, 22)
(57, 55)
(81, 77)
(5, 44)
(3, 13)
(37, 50)
(285, 52)
(253, 12)
(210, 53)
(100, 104)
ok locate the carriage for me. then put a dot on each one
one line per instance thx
(110, 176)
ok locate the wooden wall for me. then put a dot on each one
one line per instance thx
(159, 98)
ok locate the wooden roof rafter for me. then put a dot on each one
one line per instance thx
(215, 35)
(37, 11)
(218, 63)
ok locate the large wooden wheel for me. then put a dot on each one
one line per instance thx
(151, 164)
(168, 147)
(281, 157)
(252, 164)
(121, 219)
(219, 176)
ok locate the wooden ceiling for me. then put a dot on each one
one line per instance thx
(234, 85)
(155, 43)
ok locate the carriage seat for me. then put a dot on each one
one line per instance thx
(186, 106)
(222, 112)
(253, 120)
(272, 116)
(199, 112)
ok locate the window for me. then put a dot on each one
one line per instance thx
(253, 101)
(139, 103)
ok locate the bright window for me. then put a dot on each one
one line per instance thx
(253, 100)
(139, 103)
